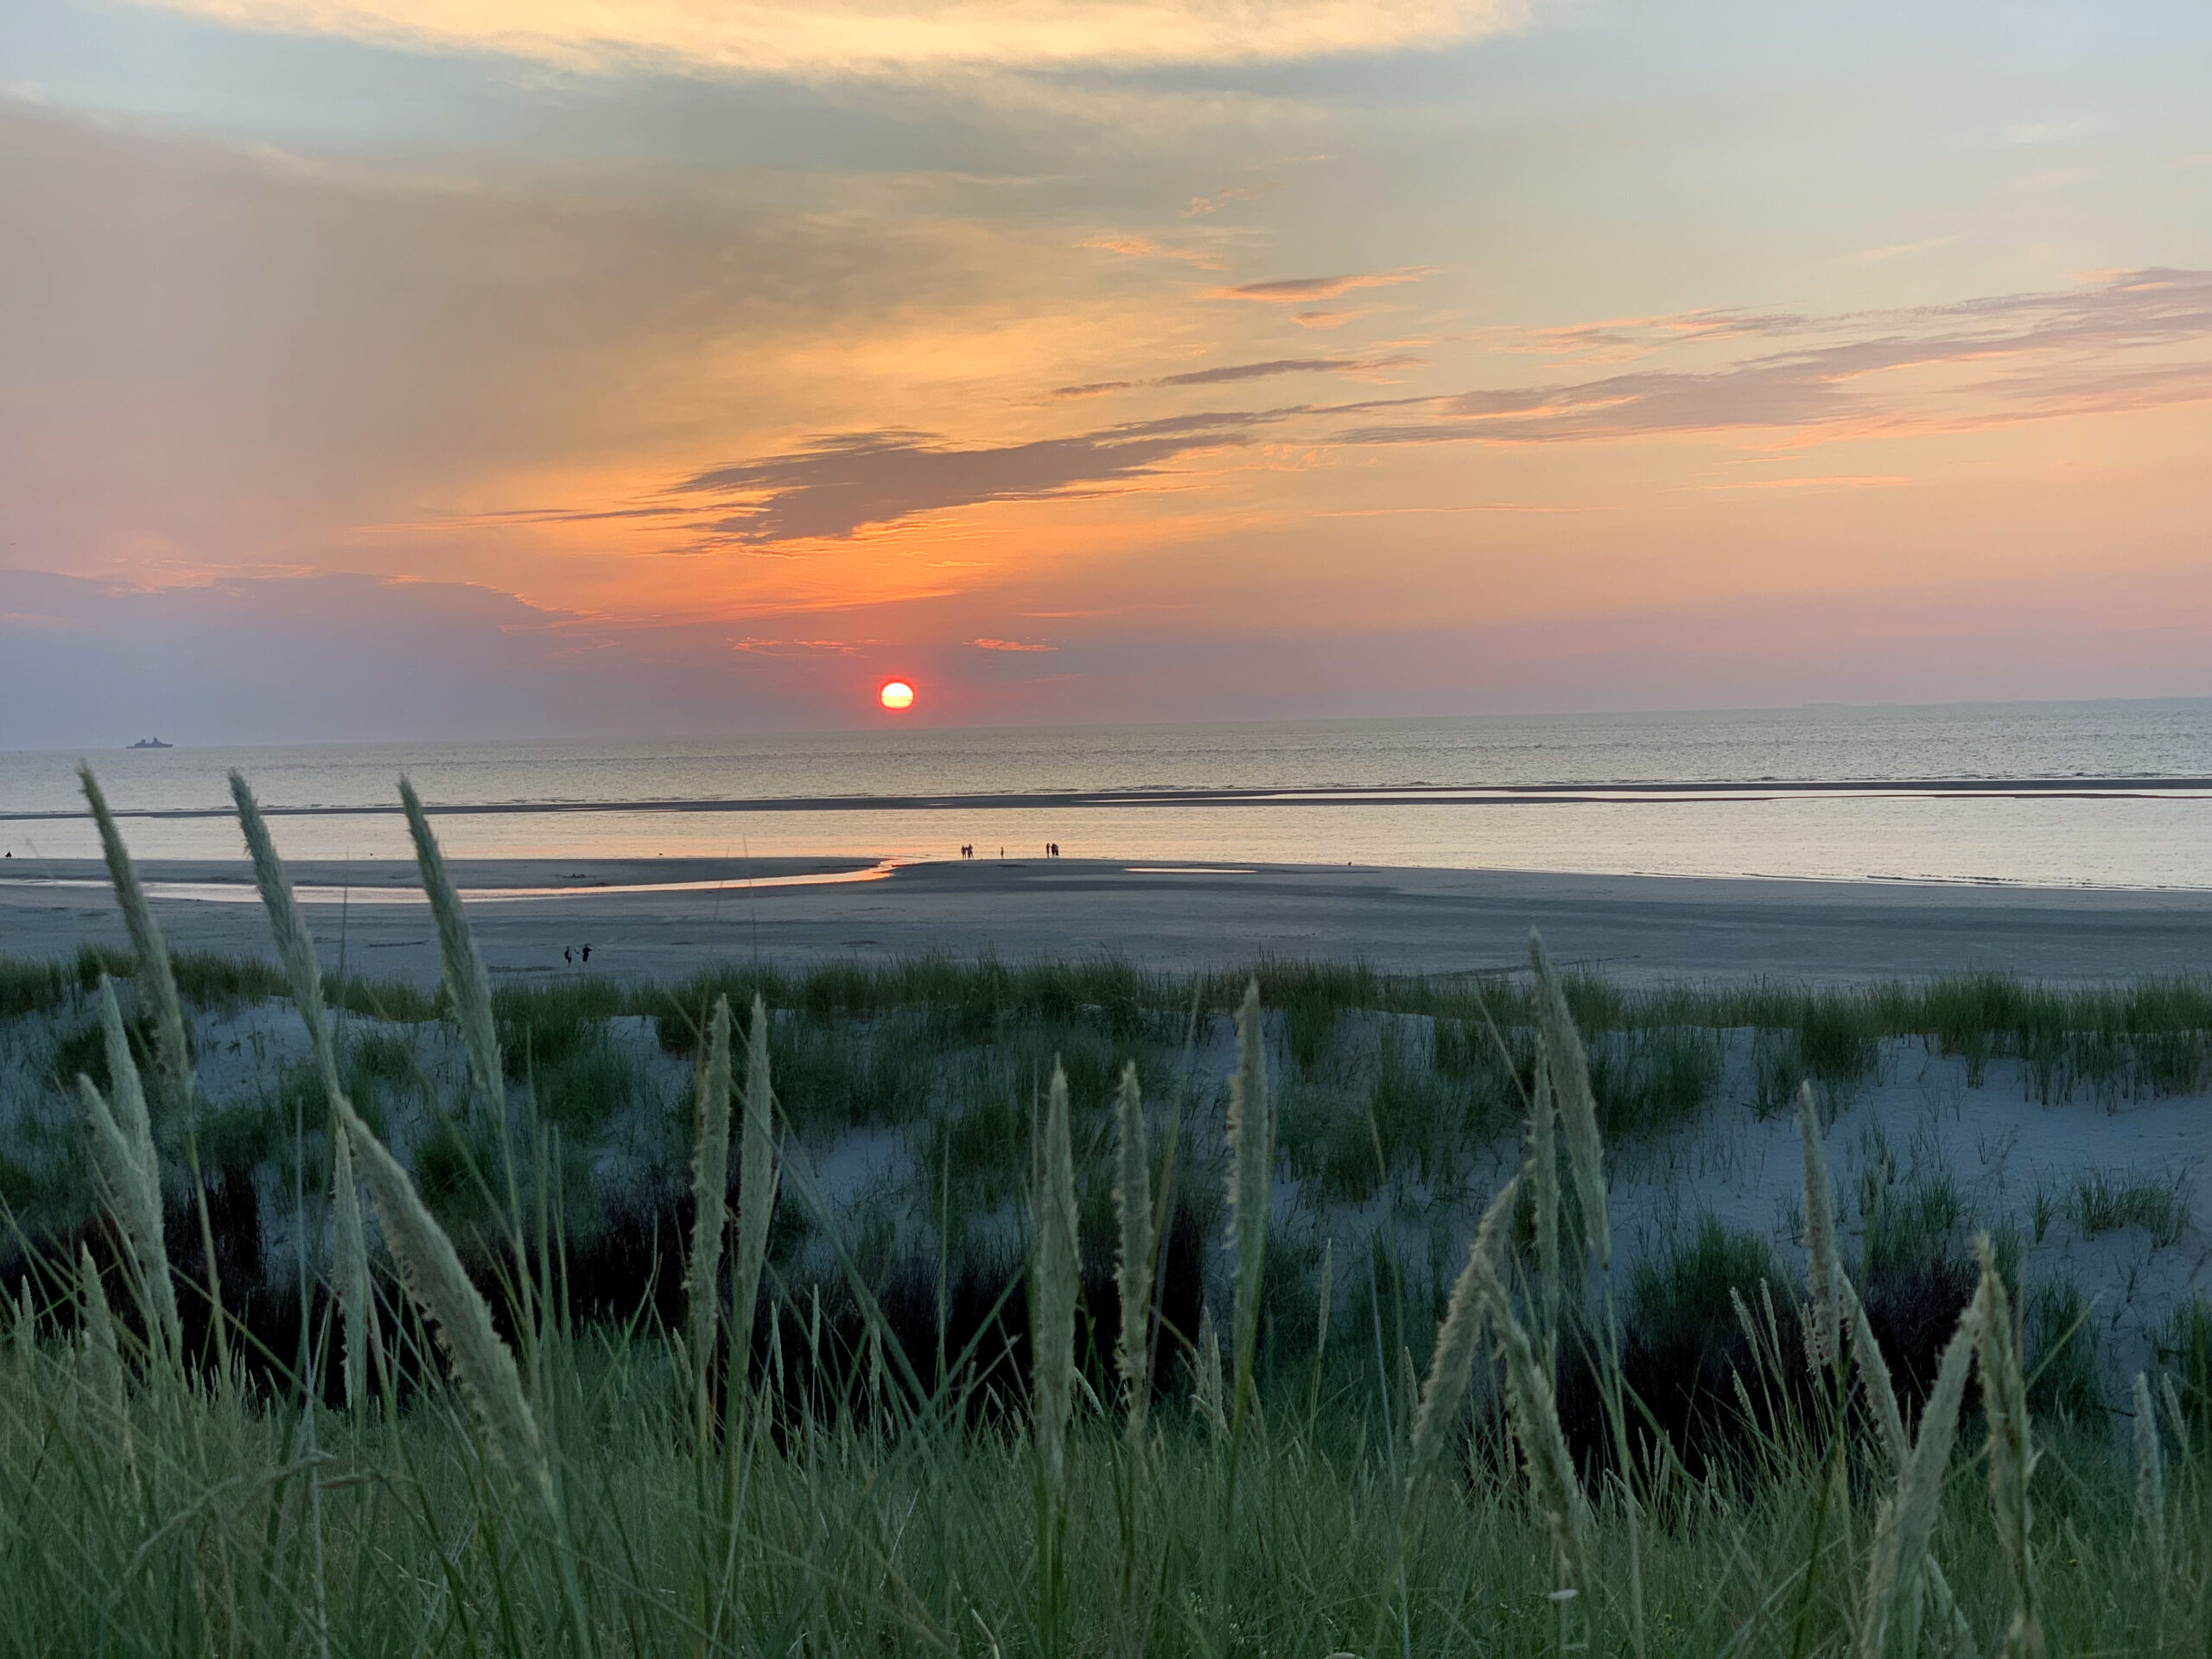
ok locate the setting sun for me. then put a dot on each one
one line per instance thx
(897, 694)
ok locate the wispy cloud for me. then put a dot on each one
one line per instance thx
(2127, 341)
(1362, 367)
(1299, 291)
(1018, 645)
(812, 36)
(1882, 256)
(1631, 336)
(1200, 206)
(2046, 354)
(1836, 481)
(1139, 247)
(837, 485)
(802, 647)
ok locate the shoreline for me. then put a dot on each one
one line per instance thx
(664, 918)
(2144, 786)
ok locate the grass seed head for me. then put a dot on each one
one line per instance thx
(1534, 1417)
(1568, 1064)
(467, 983)
(710, 1198)
(434, 1280)
(122, 1142)
(349, 1265)
(1451, 1367)
(288, 926)
(1206, 1384)
(1881, 1392)
(157, 979)
(1824, 1271)
(103, 1351)
(2011, 1451)
(1544, 1195)
(1252, 1182)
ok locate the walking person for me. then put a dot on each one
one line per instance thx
(567, 955)
(587, 955)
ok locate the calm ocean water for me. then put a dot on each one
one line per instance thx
(2046, 833)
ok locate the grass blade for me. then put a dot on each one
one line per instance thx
(1133, 1264)
(758, 1181)
(1055, 1284)
(1907, 1522)
(1252, 1182)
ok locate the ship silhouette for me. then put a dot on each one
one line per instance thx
(152, 743)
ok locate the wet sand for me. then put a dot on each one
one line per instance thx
(676, 915)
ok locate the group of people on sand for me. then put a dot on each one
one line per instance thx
(568, 955)
(968, 849)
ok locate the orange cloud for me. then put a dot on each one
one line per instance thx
(1009, 645)
(1220, 199)
(1138, 247)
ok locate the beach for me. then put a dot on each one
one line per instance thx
(658, 918)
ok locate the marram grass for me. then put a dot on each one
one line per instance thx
(123, 1147)
(569, 1502)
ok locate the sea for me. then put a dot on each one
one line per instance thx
(2111, 794)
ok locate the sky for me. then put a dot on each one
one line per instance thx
(493, 368)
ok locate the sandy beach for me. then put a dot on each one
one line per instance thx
(655, 918)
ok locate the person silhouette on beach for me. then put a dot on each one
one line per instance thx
(586, 955)
(567, 955)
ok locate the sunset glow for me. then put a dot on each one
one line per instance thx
(541, 370)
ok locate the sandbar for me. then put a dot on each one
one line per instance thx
(662, 918)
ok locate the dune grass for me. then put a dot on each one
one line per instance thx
(767, 1469)
(881, 1026)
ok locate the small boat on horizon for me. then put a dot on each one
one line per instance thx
(152, 743)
